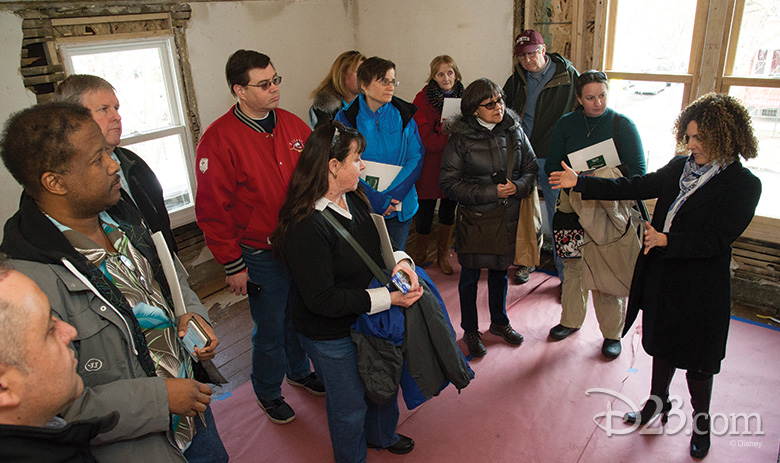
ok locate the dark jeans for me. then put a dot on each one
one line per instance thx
(276, 350)
(424, 217)
(206, 446)
(353, 419)
(398, 231)
(467, 288)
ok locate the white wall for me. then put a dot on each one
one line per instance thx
(478, 36)
(302, 38)
(14, 98)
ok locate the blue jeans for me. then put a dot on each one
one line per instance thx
(276, 350)
(398, 231)
(206, 446)
(467, 288)
(550, 198)
(353, 419)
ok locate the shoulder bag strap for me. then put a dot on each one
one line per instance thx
(378, 273)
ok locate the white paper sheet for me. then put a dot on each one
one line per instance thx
(595, 156)
(379, 176)
(451, 107)
(169, 270)
(384, 239)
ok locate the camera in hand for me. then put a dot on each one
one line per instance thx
(401, 281)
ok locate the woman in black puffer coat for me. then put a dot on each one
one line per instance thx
(488, 163)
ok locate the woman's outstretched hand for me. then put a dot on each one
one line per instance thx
(653, 238)
(566, 178)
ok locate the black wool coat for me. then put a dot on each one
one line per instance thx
(684, 289)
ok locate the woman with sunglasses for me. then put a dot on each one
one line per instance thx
(444, 81)
(488, 165)
(329, 285)
(337, 90)
(682, 278)
(392, 139)
(590, 123)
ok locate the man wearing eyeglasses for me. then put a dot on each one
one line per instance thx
(244, 163)
(541, 90)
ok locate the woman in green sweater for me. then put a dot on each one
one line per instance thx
(592, 122)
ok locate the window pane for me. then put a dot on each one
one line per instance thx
(653, 106)
(137, 75)
(653, 36)
(758, 49)
(764, 107)
(164, 157)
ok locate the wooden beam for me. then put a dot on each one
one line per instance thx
(109, 19)
(713, 47)
(578, 34)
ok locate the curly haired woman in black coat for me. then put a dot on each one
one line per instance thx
(682, 280)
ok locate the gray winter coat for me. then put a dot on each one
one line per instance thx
(108, 345)
(471, 157)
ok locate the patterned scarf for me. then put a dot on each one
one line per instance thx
(693, 177)
(130, 272)
(436, 96)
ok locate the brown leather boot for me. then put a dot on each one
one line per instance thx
(443, 249)
(420, 253)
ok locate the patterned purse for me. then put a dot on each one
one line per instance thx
(568, 234)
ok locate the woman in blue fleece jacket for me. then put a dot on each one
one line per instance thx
(387, 123)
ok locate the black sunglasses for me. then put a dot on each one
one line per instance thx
(492, 104)
(338, 129)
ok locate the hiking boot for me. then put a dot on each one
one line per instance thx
(473, 341)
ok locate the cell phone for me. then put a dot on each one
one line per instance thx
(252, 288)
(195, 337)
(498, 177)
(401, 281)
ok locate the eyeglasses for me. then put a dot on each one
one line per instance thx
(386, 82)
(337, 133)
(528, 55)
(594, 73)
(492, 104)
(592, 76)
(265, 84)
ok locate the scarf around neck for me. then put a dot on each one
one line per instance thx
(436, 95)
(693, 177)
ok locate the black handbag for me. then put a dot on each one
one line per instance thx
(482, 232)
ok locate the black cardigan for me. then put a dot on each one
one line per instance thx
(329, 278)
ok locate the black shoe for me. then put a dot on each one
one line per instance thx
(523, 274)
(505, 331)
(649, 411)
(700, 437)
(311, 383)
(403, 446)
(560, 332)
(611, 348)
(473, 341)
(277, 410)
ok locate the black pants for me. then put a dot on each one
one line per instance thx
(424, 217)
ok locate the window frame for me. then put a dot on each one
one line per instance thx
(174, 86)
(716, 29)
